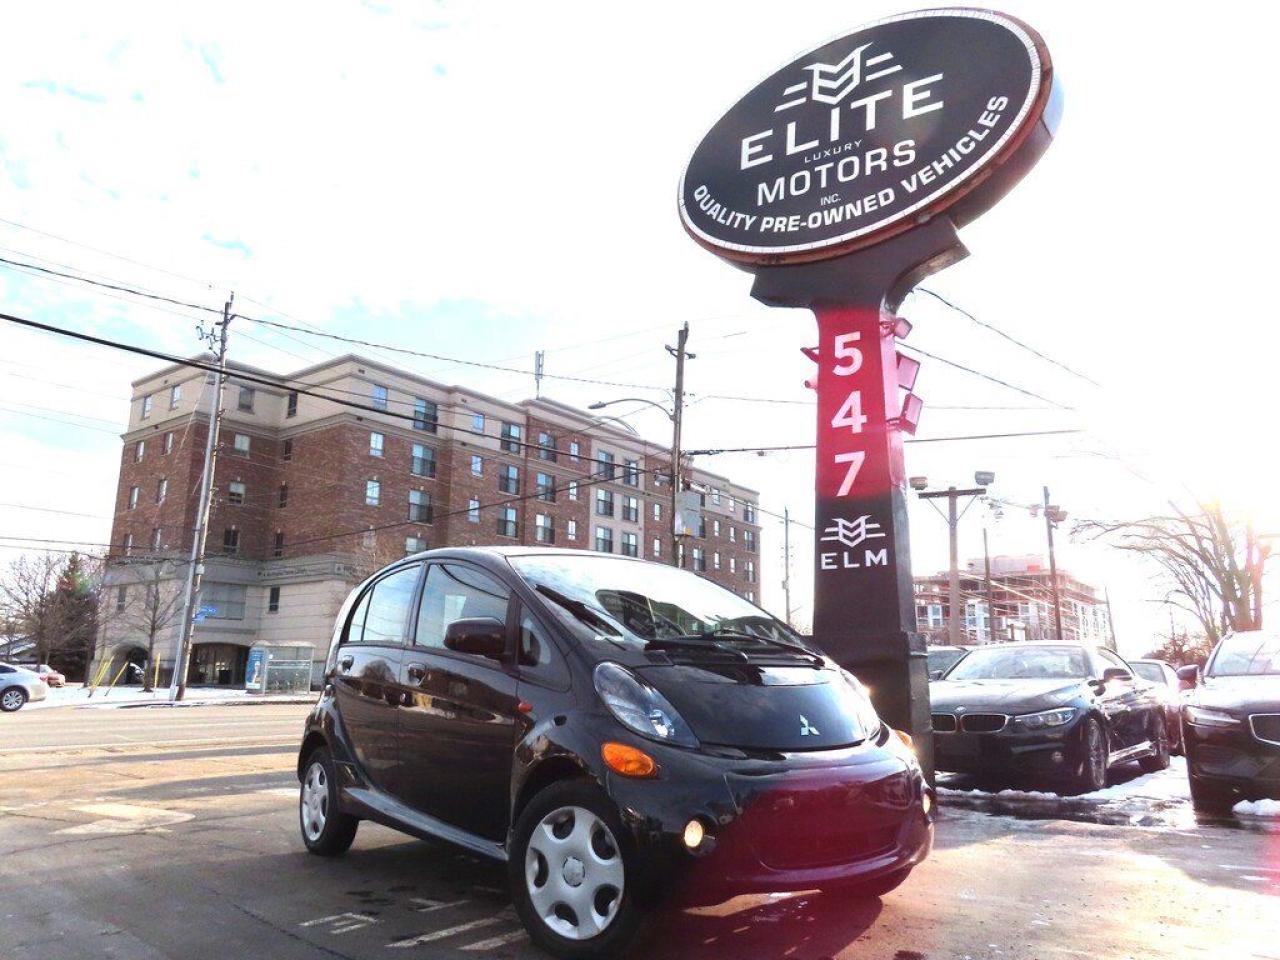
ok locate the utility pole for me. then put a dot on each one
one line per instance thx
(991, 606)
(953, 517)
(1051, 515)
(538, 360)
(677, 421)
(1111, 623)
(200, 535)
(786, 561)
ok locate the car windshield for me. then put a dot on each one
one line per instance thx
(1022, 663)
(621, 599)
(1247, 654)
(1148, 671)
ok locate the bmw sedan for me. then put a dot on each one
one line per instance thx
(609, 729)
(1052, 713)
(1231, 722)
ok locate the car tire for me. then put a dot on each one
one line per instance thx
(1210, 797)
(1159, 759)
(326, 830)
(569, 838)
(870, 889)
(12, 699)
(1092, 774)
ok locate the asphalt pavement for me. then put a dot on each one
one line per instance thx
(172, 833)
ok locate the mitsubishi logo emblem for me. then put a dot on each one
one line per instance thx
(806, 728)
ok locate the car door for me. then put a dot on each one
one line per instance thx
(458, 711)
(1122, 703)
(368, 663)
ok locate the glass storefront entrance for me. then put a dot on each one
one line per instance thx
(217, 664)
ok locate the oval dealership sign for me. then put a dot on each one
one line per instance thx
(871, 134)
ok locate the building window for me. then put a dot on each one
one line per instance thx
(376, 442)
(751, 571)
(426, 415)
(230, 541)
(419, 506)
(277, 549)
(162, 489)
(245, 400)
(657, 548)
(122, 598)
(573, 489)
(273, 600)
(631, 509)
(477, 422)
(546, 447)
(508, 523)
(571, 530)
(284, 494)
(604, 465)
(226, 600)
(473, 510)
(127, 544)
(732, 504)
(477, 465)
(733, 534)
(544, 530)
(168, 443)
(630, 545)
(139, 451)
(235, 493)
(575, 450)
(657, 512)
(749, 512)
(369, 539)
(414, 544)
(733, 565)
(631, 474)
(379, 397)
(604, 502)
(509, 479)
(147, 403)
(715, 496)
(155, 538)
(702, 526)
(699, 560)
(546, 488)
(175, 396)
(424, 461)
(133, 498)
(604, 540)
(751, 596)
(286, 450)
(715, 560)
(241, 443)
(510, 437)
(715, 528)
(291, 404)
(372, 493)
(749, 540)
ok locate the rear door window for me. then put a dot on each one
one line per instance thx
(382, 615)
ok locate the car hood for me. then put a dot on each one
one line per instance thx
(743, 705)
(1002, 696)
(1260, 694)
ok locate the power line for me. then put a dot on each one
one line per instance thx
(65, 513)
(121, 288)
(984, 376)
(810, 446)
(998, 332)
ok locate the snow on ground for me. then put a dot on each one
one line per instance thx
(102, 698)
(1257, 808)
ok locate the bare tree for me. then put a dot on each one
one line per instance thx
(1210, 564)
(159, 608)
(26, 591)
(51, 600)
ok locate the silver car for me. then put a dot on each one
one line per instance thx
(18, 685)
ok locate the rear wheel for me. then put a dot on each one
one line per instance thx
(12, 699)
(1159, 759)
(1092, 774)
(572, 873)
(1210, 797)
(326, 830)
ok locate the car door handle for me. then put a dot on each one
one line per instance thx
(416, 671)
(346, 662)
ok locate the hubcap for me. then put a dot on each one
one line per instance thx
(12, 699)
(315, 801)
(1096, 757)
(574, 873)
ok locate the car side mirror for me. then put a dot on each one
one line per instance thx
(1188, 676)
(935, 675)
(480, 636)
(1116, 673)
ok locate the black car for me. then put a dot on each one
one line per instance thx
(1169, 687)
(608, 728)
(1231, 722)
(1049, 712)
(941, 659)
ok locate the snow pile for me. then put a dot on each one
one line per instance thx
(1164, 786)
(1257, 808)
(103, 698)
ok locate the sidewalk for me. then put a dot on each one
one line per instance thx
(127, 697)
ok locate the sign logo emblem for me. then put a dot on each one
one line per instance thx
(806, 728)
(852, 533)
(832, 82)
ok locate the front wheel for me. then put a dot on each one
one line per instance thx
(1092, 774)
(12, 699)
(573, 873)
(1210, 797)
(326, 830)
(1159, 759)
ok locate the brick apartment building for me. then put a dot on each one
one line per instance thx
(1022, 602)
(311, 496)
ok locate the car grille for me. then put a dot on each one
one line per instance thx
(1266, 726)
(944, 723)
(983, 722)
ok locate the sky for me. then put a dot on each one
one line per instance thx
(484, 181)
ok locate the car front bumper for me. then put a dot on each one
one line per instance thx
(1057, 751)
(788, 822)
(1234, 757)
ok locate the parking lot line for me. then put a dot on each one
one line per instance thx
(493, 943)
(449, 931)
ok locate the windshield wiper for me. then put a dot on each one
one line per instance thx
(694, 641)
(755, 638)
(580, 610)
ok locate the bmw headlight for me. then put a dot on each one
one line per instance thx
(1046, 719)
(865, 712)
(639, 707)
(1210, 718)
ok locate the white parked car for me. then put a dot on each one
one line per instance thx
(18, 685)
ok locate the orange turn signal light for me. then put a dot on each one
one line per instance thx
(906, 739)
(628, 761)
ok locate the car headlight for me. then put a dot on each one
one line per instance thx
(639, 707)
(1210, 718)
(863, 709)
(1046, 719)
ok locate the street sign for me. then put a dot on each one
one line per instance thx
(207, 611)
(871, 134)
